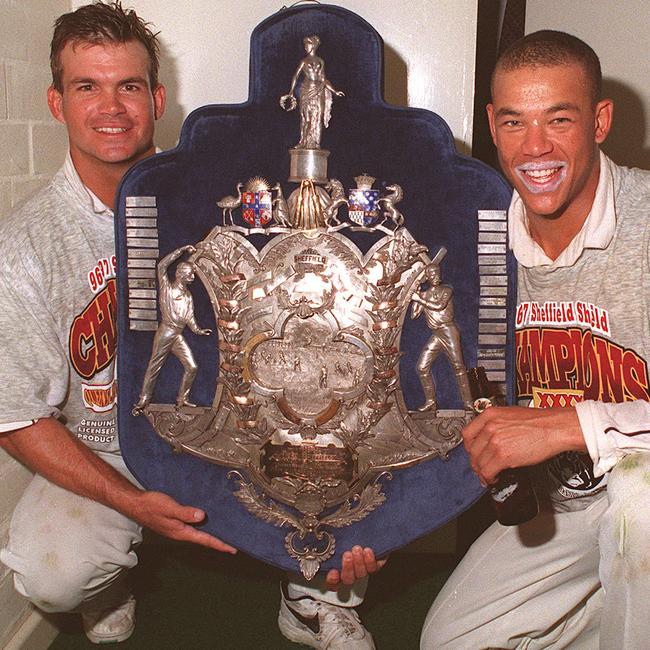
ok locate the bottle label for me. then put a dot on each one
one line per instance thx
(482, 403)
(503, 494)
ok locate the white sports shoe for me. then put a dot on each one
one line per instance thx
(322, 625)
(111, 625)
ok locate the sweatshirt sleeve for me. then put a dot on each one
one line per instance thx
(613, 430)
(34, 373)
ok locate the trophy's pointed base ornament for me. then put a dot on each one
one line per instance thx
(309, 410)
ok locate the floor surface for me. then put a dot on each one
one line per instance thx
(191, 599)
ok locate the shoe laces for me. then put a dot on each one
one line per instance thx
(339, 622)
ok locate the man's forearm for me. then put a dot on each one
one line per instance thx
(49, 449)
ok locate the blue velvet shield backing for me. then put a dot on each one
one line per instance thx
(222, 144)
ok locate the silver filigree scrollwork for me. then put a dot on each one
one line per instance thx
(309, 543)
(230, 294)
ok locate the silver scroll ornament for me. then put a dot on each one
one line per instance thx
(308, 408)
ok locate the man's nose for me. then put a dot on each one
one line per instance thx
(111, 103)
(536, 141)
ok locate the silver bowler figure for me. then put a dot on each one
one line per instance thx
(315, 96)
(177, 311)
(438, 307)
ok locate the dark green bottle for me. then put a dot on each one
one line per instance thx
(513, 495)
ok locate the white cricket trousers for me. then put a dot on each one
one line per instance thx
(578, 580)
(69, 553)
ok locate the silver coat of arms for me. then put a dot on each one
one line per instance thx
(308, 410)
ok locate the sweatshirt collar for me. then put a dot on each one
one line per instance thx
(90, 199)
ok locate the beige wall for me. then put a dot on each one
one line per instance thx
(430, 53)
(32, 146)
(31, 142)
(619, 32)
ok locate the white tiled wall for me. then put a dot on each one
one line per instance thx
(32, 147)
(32, 144)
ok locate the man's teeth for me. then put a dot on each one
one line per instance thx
(540, 174)
(106, 129)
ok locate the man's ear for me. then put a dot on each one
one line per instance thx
(159, 101)
(604, 115)
(55, 103)
(489, 109)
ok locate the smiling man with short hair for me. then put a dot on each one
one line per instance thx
(579, 228)
(73, 533)
(109, 108)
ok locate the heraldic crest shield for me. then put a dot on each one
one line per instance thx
(293, 358)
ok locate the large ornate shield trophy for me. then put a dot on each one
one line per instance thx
(304, 282)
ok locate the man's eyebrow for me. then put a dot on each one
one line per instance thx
(82, 80)
(133, 80)
(562, 106)
(506, 111)
(121, 82)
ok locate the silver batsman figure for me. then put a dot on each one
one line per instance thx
(177, 310)
(438, 307)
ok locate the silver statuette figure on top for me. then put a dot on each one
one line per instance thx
(315, 96)
(308, 162)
